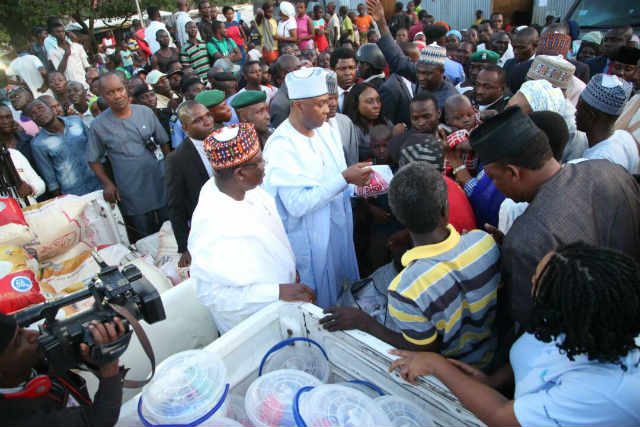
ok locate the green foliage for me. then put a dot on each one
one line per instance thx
(17, 17)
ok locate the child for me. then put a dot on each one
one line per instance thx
(381, 223)
(126, 55)
(460, 118)
(319, 25)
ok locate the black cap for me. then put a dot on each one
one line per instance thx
(8, 327)
(188, 82)
(141, 89)
(627, 55)
(224, 76)
(503, 136)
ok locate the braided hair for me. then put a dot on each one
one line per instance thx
(588, 299)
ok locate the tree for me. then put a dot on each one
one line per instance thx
(17, 17)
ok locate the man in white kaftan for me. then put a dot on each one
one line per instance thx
(307, 174)
(241, 257)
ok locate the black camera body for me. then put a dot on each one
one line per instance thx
(60, 339)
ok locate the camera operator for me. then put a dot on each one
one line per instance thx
(66, 402)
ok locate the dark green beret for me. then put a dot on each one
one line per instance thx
(504, 136)
(485, 56)
(248, 97)
(209, 98)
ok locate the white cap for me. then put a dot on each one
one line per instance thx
(154, 76)
(306, 83)
(287, 9)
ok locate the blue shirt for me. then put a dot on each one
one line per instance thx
(552, 390)
(453, 71)
(61, 158)
(177, 133)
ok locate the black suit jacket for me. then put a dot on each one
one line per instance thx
(517, 74)
(185, 175)
(395, 98)
(583, 72)
(597, 64)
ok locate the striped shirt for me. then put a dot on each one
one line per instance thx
(197, 57)
(448, 291)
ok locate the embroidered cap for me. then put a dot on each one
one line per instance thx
(433, 54)
(607, 93)
(554, 44)
(554, 69)
(231, 146)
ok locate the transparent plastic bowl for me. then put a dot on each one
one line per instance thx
(220, 422)
(403, 412)
(366, 387)
(298, 353)
(185, 387)
(269, 398)
(336, 405)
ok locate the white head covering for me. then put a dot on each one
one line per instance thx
(306, 83)
(287, 9)
(542, 96)
(433, 54)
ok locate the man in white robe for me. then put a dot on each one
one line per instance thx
(241, 257)
(307, 174)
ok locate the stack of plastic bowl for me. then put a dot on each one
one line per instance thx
(404, 413)
(188, 388)
(269, 399)
(297, 353)
(330, 405)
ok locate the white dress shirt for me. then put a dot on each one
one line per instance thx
(203, 155)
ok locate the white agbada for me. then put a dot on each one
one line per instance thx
(304, 174)
(240, 254)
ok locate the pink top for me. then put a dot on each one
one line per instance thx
(303, 30)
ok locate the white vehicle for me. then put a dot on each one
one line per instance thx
(352, 355)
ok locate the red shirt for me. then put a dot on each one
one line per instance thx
(461, 214)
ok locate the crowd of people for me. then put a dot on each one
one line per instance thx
(508, 241)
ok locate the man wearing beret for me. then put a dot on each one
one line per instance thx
(593, 201)
(227, 82)
(30, 396)
(251, 106)
(236, 221)
(309, 178)
(214, 100)
(477, 61)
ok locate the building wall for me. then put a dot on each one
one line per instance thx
(557, 8)
(458, 14)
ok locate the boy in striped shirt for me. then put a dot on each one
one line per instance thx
(194, 52)
(445, 298)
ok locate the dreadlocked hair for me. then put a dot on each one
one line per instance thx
(588, 299)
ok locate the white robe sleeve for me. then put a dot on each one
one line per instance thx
(286, 177)
(26, 172)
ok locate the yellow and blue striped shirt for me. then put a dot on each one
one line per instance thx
(448, 291)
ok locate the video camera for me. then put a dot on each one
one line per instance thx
(60, 339)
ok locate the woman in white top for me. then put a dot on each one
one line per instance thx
(287, 31)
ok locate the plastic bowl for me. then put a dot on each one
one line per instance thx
(298, 353)
(186, 387)
(269, 398)
(403, 412)
(336, 405)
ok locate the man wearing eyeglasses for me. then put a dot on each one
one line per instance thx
(241, 257)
